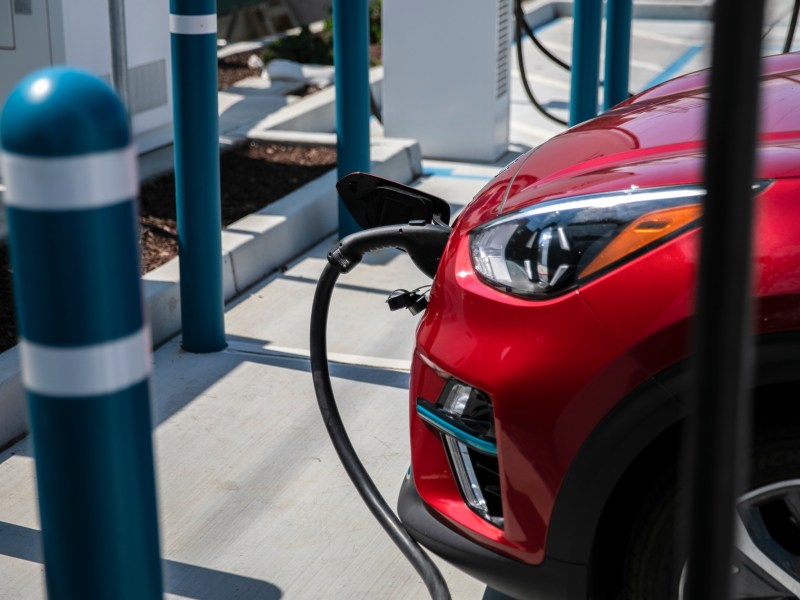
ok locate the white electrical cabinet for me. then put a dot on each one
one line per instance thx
(446, 76)
(39, 33)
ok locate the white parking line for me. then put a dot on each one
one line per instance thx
(652, 36)
(391, 364)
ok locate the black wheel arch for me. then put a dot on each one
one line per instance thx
(640, 438)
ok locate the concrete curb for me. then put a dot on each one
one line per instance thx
(252, 247)
(312, 114)
(541, 13)
(13, 411)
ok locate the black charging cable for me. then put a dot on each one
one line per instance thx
(520, 18)
(424, 243)
(787, 45)
(521, 25)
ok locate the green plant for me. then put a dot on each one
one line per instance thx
(375, 22)
(307, 47)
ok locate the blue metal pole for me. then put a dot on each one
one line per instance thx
(193, 26)
(85, 349)
(618, 51)
(585, 60)
(351, 57)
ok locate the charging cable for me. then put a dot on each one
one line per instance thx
(424, 243)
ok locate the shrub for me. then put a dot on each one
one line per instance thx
(304, 47)
(307, 47)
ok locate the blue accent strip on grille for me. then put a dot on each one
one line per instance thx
(449, 429)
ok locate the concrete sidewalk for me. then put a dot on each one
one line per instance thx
(253, 501)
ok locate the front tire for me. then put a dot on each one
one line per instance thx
(767, 556)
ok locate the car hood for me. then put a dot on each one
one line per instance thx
(655, 138)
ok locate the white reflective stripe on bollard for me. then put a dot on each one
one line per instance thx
(70, 183)
(193, 24)
(89, 370)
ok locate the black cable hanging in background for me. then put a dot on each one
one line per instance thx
(529, 32)
(519, 19)
(792, 27)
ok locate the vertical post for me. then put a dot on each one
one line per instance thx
(585, 60)
(723, 363)
(351, 57)
(119, 50)
(618, 51)
(85, 348)
(193, 27)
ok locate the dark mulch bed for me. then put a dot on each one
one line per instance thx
(233, 69)
(252, 177)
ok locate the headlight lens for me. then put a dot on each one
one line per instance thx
(551, 247)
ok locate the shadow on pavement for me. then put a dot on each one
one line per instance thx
(182, 579)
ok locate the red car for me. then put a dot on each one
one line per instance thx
(549, 376)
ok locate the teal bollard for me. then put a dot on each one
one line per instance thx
(71, 186)
(351, 57)
(618, 51)
(193, 27)
(587, 25)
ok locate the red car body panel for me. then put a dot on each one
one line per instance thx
(554, 368)
(480, 333)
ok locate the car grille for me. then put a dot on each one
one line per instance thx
(465, 418)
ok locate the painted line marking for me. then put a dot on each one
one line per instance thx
(450, 172)
(678, 64)
(356, 360)
(94, 370)
(654, 36)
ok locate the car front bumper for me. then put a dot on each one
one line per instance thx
(550, 580)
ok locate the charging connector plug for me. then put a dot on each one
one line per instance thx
(423, 242)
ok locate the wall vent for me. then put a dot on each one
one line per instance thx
(147, 86)
(503, 45)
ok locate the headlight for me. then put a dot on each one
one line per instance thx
(551, 247)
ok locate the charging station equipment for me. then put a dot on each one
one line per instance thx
(446, 76)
